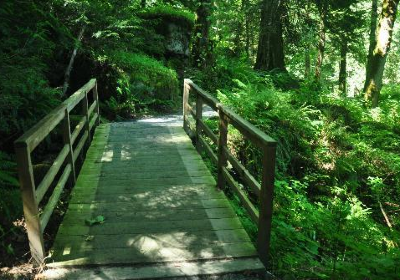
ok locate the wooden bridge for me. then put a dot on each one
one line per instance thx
(144, 205)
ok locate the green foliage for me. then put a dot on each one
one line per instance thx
(142, 82)
(336, 161)
(170, 13)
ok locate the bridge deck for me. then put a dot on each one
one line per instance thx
(160, 205)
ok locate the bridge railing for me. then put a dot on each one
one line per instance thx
(264, 191)
(64, 164)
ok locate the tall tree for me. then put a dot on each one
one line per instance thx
(270, 54)
(381, 49)
(372, 40)
(323, 9)
(202, 49)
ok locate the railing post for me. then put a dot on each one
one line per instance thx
(186, 89)
(85, 107)
(96, 99)
(67, 141)
(266, 206)
(31, 211)
(222, 142)
(199, 116)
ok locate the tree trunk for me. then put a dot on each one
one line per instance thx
(307, 62)
(321, 43)
(202, 49)
(381, 49)
(71, 62)
(270, 53)
(247, 26)
(343, 67)
(372, 41)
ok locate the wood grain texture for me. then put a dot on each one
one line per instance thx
(159, 201)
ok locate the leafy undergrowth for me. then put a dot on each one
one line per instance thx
(337, 174)
(143, 85)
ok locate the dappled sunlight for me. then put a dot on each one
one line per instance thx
(156, 205)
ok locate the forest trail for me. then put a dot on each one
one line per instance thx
(163, 215)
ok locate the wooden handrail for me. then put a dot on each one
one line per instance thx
(264, 191)
(64, 163)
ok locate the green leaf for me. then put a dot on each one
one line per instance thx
(98, 220)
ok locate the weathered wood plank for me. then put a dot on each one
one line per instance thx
(152, 204)
(158, 198)
(176, 239)
(117, 216)
(158, 271)
(151, 255)
(151, 227)
(51, 173)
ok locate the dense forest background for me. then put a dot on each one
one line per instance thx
(319, 76)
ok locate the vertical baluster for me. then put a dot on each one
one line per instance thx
(266, 206)
(222, 142)
(31, 211)
(96, 99)
(85, 109)
(186, 88)
(199, 116)
(67, 141)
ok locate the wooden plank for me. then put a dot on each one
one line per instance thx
(90, 167)
(159, 271)
(51, 173)
(96, 99)
(247, 204)
(243, 173)
(222, 142)
(266, 207)
(144, 175)
(117, 216)
(121, 189)
(80, 145)
(68, 141)
(154, 195)
(152, 204)
(30, 205)
(85, 111)
(55, 197)
(151, 255)
(77, 96)
(180, 239)
(92, 108)
(83, 182)
(151, 227)
(185, 105)
(32, 138)
(78, 129)
(93, 121)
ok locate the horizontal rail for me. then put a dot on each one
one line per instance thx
(253, 212)
(78, 129)
(208, 150)
(51, 174)
(34, 136)
(243, 173)
(264, 191)
(80, 94)
(80, 145)
(208, 131)
(92, 108)
(54, 198)
(32, 196)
